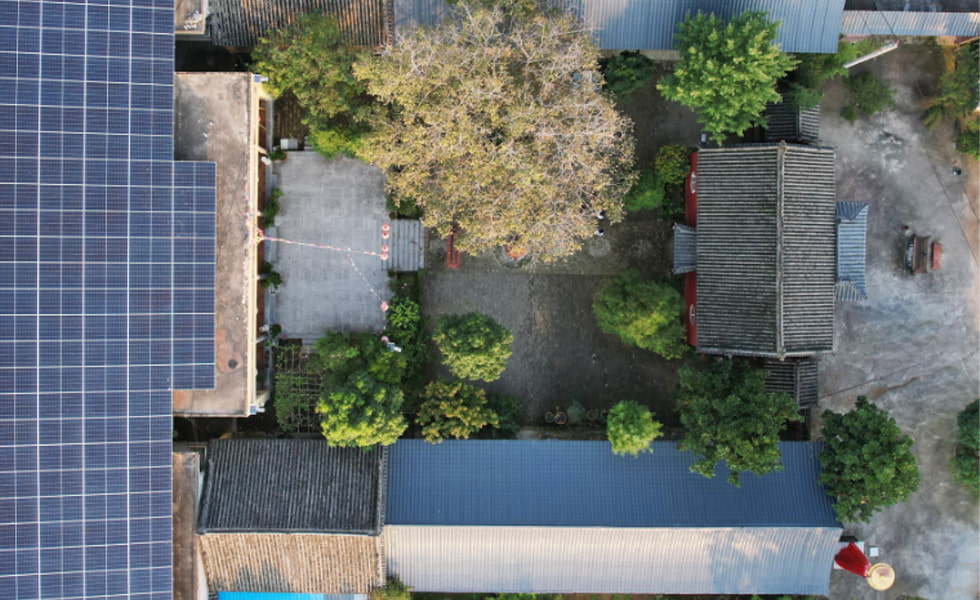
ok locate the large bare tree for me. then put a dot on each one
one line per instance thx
(497, 125)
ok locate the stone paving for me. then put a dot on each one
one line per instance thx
(912, 347)
(337, 202)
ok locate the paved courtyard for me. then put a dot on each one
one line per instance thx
(339, 203)
(912, 347)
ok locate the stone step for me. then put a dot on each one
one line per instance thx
(406, 250)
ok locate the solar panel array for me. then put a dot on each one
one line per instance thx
(106, 296)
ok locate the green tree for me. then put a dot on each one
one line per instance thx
(966, 462)
(361, 412)
(498, 127)
(868, 94)
(868, 463)
(647, 192)
(630, 428)
(625, 73)
(453, 409)
(727, 71)
(958, 89)
(643, 313)
(671, 164)
(473, 346)
(815, 70)
(728, 416)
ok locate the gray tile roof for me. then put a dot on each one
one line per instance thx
(685, 249)
(556, 517)
(805, 25)
(264, 485)
(852, 234)
(796, 377)
(786, 123)
(240, 23)
(766, 255)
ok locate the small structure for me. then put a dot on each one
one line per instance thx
(531, 516)
(787, 123)
(292, 516)
(852, 234)
(766, 257)
(796, 377)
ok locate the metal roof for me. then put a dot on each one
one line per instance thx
(852, 234)
(805, 25)
(670, 560)
(583, 484)
(895, 23)
(787, 123)
(796, 377)
(263, 485)
(766, 258)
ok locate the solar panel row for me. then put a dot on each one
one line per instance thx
(106, 296)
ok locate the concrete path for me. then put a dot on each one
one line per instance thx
(341, 203)
(913, 346)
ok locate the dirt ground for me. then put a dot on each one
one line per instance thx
(912, 347)
(559, 355)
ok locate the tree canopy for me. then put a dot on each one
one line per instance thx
(728, 416)
(362, 411)
(453, 409)
(498, 126)
(727, 72)
(631, 428)
(643, 313)
(312, 59)
(868, 463)
(473, 346)
(966, 460)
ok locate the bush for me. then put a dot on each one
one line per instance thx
(958, 90)
(868, 463)
(453, 409)
(625, 73)
(394, 589)
(815, 70)
(643, 313)
(509, 410)
(803, 98)
(345, 141)
(271, 208)
(647, 193)
(968, 141)
(406, 328)
(868, 94)
(473, 346)
(671, 164)
(966, 462)
(271, 276)
(631, 429)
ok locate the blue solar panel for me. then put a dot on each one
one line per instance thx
(106, 297)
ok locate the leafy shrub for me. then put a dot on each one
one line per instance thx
(296, 390)
(509, 410)
(271, 276)
(815, 70)
(631, 429)
(473, 346)
(671, 164)
(394, 589)
(958, 90)
(867, 94)
(271, 208)
(802, 97)
(868, 463)
(966, 462)
(361, 412)
(625, 73)
(342, 354)
(643, 313)
(647, 193)
(406, 328)
(575, 413)
(453, 409)
(968, 141)
(339, 140)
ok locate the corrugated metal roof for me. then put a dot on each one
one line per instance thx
(685, 249)
(872, 22)
(733, 560)
(805, 25)
(765, 246)
(852, 233)
(291, 485)
(240, 23)
(583, 484)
